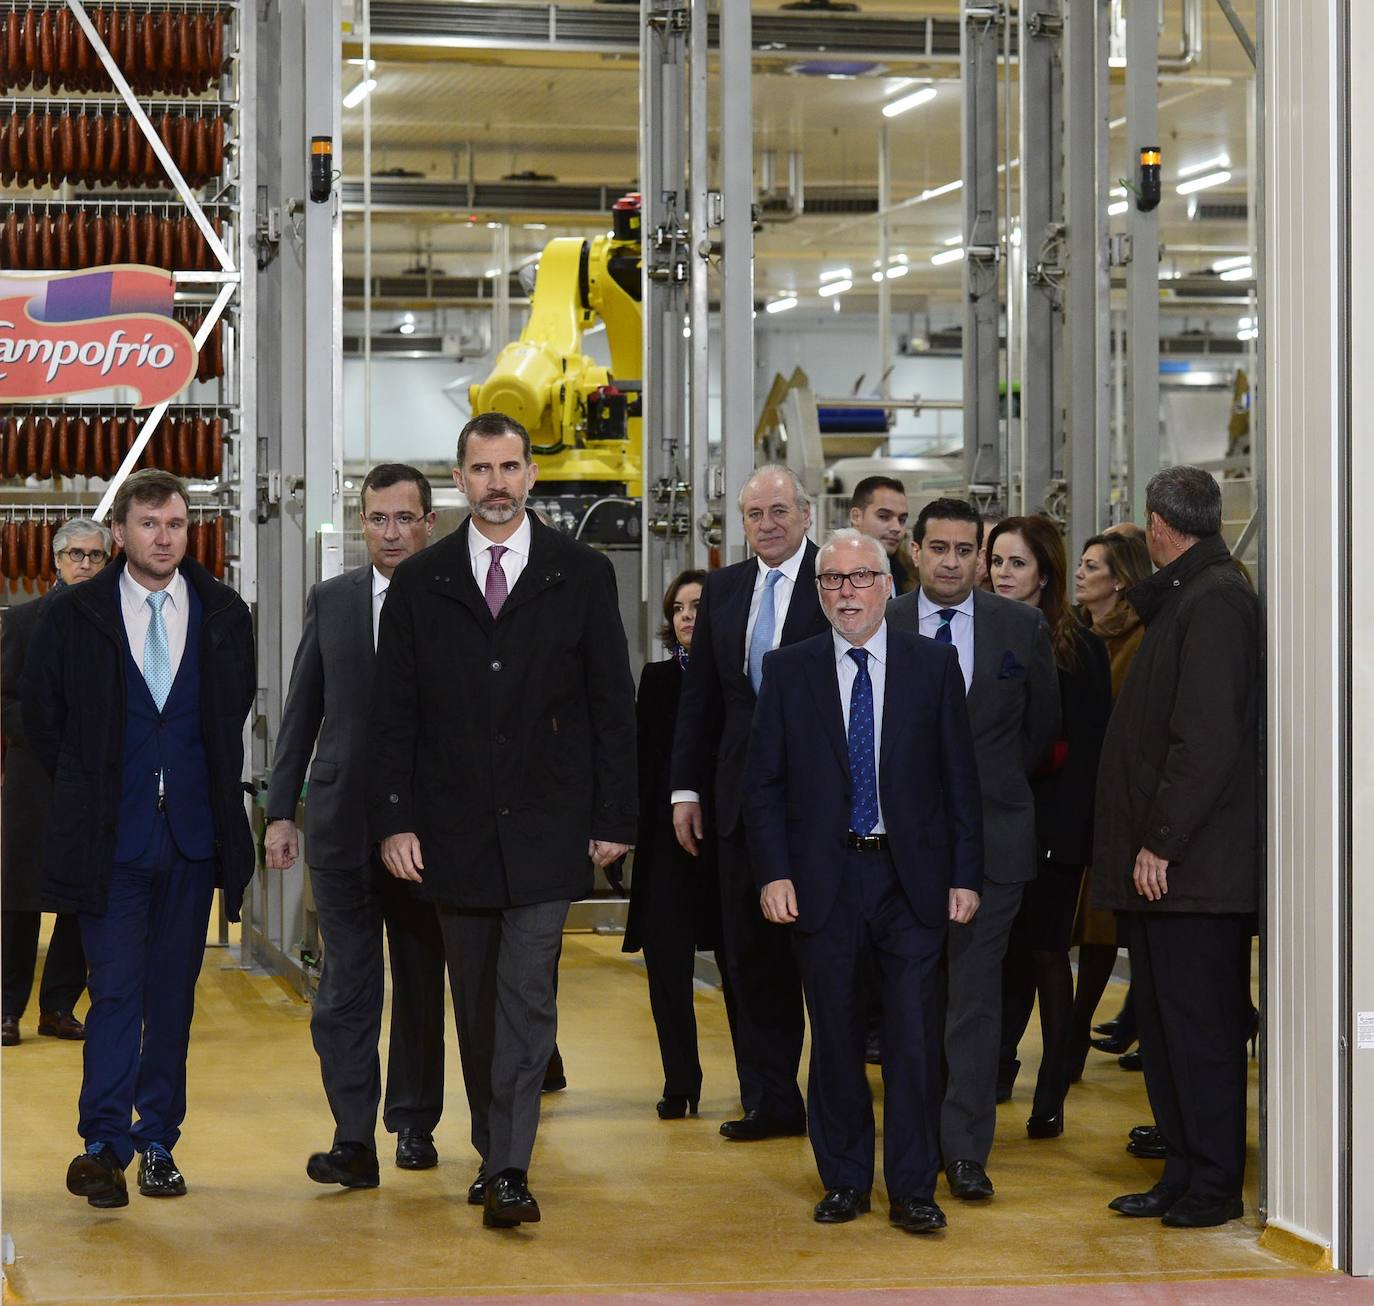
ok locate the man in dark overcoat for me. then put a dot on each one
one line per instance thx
(135, 695)
(1176, 848)
(502, 738)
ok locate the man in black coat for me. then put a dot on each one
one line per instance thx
(135, 695)
(1013, 706)
(502, 743)
(326, 717)
(747, 610)
(81, 548)
(1176, 849)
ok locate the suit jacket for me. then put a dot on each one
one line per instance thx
(1013, 707)
(717, 696)
(797, 794)
(27, 790)
(504, 745)
(326, 714)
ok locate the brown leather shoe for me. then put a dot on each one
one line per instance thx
(60, 1024)
(9, 1031)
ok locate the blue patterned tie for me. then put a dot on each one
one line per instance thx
(863, 771)
(761, 641)
(157, 658)
(942, 631)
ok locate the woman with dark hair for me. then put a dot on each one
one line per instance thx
(1026, 562)
(674, 902)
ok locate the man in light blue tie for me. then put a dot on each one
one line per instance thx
(134, 699)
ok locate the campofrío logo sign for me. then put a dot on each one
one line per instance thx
(71, 333)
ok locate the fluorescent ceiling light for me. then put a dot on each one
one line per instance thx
(947, 256)
(897, 270)
(1116, 61)
(1250, 333)
(1120, 207)
(837, 274)
(359, 93)
(492, 272)
(1226, 264)
(406, 328)
(371, 64)
(1207, 165)
(781, 305)
(1117, 192)
(923, 96)
(836, 287)
(1203, 183)
(946, 189)
(493, 226)
(877, 276)
(1239, 274)
(536, 226)
(900, 258)
(1246, 323)
(953, 240)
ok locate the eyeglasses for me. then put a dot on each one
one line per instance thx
(94, 556)
(379, 521)
(861, 580)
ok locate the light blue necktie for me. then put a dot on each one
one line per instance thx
(157, 658)
(761, 641)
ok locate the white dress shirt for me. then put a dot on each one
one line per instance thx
(380, 585)
(513, 561)
(782, 598)
(960, 629)
(847, 672)
(176, 616)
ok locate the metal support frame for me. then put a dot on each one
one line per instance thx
(1087, 377)
(1142, 273)
(1042, 246)
(884, 257)
(699, 356)
(984, 458)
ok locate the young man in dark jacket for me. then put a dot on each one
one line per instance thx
(1176, 848)
(135, 695)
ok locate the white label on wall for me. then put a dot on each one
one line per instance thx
(1364, 1029)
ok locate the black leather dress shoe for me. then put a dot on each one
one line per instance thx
(60, 1024)
(840, 1205)
(917, 1215)
(968, 1180)
(158, 1175)
(1107, 1026)
(1144, 1131)
(1114, 1043)
(9, 1031)
(1131, 1061)
(477, 1189)
(1203, 1213)
(1145, 1206)
(1146, 1143)
(509, 1201)
(1045, 1126)
(415, 1150)
(351, 1164)
(99, 1178)
(752, 1126)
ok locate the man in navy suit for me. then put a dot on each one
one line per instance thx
(746, 611)
(867, 832)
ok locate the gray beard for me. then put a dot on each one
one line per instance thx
(498, 514)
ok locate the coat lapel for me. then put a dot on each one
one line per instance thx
(737, 613)
(542, 571)
(448, 570)
(805, 607)
(986, 646)
(896, 688)
(825, 686)
(360, 619)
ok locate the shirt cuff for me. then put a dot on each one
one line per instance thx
(685, 796)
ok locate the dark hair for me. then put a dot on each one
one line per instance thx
(1047, 544)
(1127, 559)
(384, 475)
(869, 486)
(947, 510)
(692, 577)
(151, 486)
(493, 424)
(1188, 499)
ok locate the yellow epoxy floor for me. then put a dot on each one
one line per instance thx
(630, 1203)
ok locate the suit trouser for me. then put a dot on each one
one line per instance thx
(973, 1024)
(503, 968)
(871, 916)
(760, 966)
(354, 906)
(64, 971)
(1190, 976)
(145, 955)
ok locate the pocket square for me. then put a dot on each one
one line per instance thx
(1011, 668)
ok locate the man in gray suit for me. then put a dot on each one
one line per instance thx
(1013, 704)
(326, 714)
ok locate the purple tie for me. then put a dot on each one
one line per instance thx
(496, 587)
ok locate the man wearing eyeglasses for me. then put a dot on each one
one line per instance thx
(326, 713)
(80, 548)
(865, 830)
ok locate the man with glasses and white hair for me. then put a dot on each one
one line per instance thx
(746, 611)
(865, 825)
(81, 548)
(325, 717)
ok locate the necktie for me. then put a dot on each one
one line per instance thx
(942, 631)
(765, 623)
(497, 589)
(863, 770)
(157, 658)
(377, 614)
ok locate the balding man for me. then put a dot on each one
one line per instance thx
(866, 831)
(1131, 530)
(748, 610)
